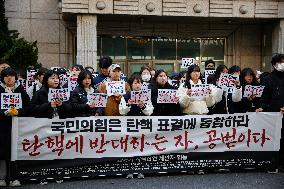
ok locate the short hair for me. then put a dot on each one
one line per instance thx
(210, 61)
(4, 62)
(83, 75)
(78, 66)
(277, 58)
(132, 78)
(47, 75)
(40, 72)
(145, 67)
(105, 62)
(8, 72)
(234, 69)
(245, 72)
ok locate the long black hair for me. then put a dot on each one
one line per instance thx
(191, 69)
(83, 74)
(218, 72)
(47, 75)
(245, 72)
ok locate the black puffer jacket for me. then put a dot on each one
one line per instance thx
(6, 123)
(272, 98)
(78, 100)
(41, 108)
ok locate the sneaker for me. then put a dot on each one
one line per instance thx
(129, 176)
(273, 171)
(43, 182)
(15, 183)
(200, 172)
(223, 170)
(3, 183)
(140, 176)
(59, 181)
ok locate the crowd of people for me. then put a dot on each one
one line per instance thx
(35, 101)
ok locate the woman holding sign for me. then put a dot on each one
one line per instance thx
(164, 96)
(249, 102)
(81, 105)
(43, 106)
(194, 97)
(14, 101)
(133, 103)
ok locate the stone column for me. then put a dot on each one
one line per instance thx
(87, 40)
(278, 38)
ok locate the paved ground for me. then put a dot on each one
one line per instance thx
(237, 180)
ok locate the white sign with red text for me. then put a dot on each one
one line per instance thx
(97, 99)
(167, 96)
(253, 91)
(141, 96)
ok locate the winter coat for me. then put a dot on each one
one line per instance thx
(226, 105)
(272, 98)
(163, 109)
(194, 105)
(112, 106)
(78, 100)
(41, 108)
(134, 109)
(6, 122)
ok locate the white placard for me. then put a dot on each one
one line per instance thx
(72, 83)
(115, 87)
(186, 62)
(200, 90)
(62, 95)
(9, 100)
(227, 80)
(97, 99)
(167, 96)
(253, 91)
(143, 95)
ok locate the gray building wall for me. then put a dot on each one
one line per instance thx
(41, 21)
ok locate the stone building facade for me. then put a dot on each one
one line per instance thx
(157, 32)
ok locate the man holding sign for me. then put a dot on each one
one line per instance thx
(115, 88)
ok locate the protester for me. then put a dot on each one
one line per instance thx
(126, 106)
(9, 85)
(38, 82)
(247, 104)
(145, 73)
(81, 107)
(91, 69)
(112, 106)
(272, 97)
(226, 105)
(104, 63)
(235, 70)
(41, 108)
(160, 81)
(76, 69)
(196, 105)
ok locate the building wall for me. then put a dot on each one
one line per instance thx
(41, 21)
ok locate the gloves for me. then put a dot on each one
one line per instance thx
(11, 112)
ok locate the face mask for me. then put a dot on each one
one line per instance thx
(146, 77)
(280, 67)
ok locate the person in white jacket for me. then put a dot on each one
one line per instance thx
(127, 107)
(196, 105)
